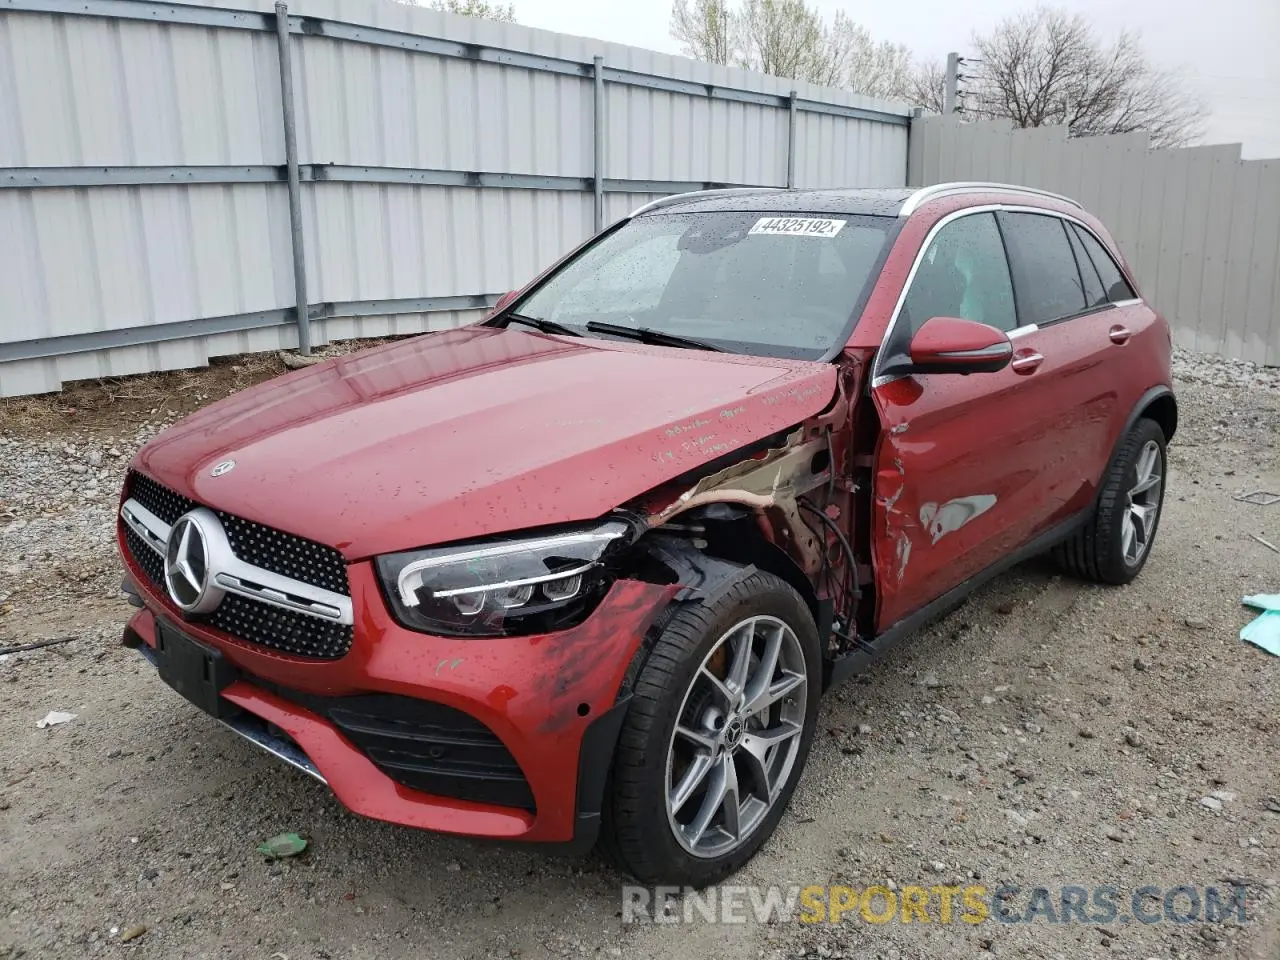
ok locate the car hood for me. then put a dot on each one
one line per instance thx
(475, 431)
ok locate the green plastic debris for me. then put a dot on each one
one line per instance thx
(1264, 632)
(284, 845)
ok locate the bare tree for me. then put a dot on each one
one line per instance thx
(702, 28)
(477, 8)
(924, 85)
(788, 38)
(851, 59)
(1047, 66)
(781, 37)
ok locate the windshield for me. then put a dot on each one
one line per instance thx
(758, 283)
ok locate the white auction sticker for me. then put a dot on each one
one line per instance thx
(798, 226)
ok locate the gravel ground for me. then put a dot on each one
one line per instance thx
(1047, 733)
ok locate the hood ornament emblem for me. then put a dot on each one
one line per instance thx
(226, 466)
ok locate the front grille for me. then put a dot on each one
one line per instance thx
(282, 553)
(285, 630)
(263, 546)
(152, 563)
(424, 745)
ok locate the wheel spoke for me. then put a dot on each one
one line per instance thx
(732, 800)
(1145, 517)
(737, 678)
(756, 757)
(703, 739)
(1127, 534)
(718, 685)
(1149, 483)
(760, 682)
(759, 741)
(679, 795)
(1146, 462)
(780, 688)
(717, 788)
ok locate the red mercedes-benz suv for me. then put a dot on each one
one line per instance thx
(582, 571)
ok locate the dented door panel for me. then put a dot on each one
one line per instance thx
(963, 473)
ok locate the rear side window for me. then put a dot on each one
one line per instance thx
(1113, 282)
(1094, 295)
(963, 274)
(1045, 271)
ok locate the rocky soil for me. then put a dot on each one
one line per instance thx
(1048, 733)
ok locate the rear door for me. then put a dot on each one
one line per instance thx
(1082, 321)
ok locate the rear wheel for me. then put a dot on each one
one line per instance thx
(716, 736)
(1113, 547)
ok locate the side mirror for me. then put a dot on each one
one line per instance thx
(952, 345)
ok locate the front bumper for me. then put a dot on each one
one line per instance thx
(554, 701)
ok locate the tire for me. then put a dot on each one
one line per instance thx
(1102, 550)
(639, 831)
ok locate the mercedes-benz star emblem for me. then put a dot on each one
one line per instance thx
(226, 466)
(186, 565)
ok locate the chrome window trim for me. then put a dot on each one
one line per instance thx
(693, 195)
(232, 575)
(933, 191)
(878, 378)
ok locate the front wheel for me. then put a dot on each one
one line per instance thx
(1113, 547)
(716, 736)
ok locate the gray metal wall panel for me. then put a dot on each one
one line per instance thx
(1211, 329)
(84, 91)
(1261, 328)
(78, 260)
(394, 241)
(92, 91)
(842, 152)
(1239, 266)
(1199, 227)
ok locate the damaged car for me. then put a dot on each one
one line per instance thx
(580, 573)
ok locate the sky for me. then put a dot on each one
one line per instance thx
(1226, 49)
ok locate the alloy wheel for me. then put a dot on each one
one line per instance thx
(1139, 522)
(737, 736)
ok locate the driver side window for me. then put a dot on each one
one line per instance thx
(964, 274)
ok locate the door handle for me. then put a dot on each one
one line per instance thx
(1119, 334)
(1026, 361)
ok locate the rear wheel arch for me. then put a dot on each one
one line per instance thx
(1163, 409)
(1158, 404)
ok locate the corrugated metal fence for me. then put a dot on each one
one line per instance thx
(144, 206)
(1199, 226)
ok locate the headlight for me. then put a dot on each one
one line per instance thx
(502, 587)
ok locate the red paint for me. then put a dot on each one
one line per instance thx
(473, 432)
(944, 343)
(482, 431)
(1036, 439)
(525, 689)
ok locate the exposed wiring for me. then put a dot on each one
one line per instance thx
(833, 589)
(854, 591)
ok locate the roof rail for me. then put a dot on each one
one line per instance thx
(701, 194)
(942, 189)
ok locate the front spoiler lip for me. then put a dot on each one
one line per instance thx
(258, 732)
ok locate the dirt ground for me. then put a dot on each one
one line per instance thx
(1048, 733)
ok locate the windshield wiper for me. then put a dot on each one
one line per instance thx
(647, 335)
(546, 326)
